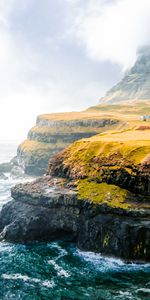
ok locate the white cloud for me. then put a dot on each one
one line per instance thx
(38, 77)
(113, 30)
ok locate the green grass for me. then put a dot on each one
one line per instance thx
(112, 195)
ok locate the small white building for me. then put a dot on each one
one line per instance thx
(145, 118)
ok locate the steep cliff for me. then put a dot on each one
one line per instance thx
(43, 211)
(96, 193)
(55, 132)
(121, 158)
(135, 84)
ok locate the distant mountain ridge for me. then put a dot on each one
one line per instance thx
(135, 85)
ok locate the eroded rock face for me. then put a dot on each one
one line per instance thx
(49, 137)
(42, 211)
(113, 171)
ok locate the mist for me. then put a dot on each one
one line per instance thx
(63, 56)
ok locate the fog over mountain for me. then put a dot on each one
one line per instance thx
(135, 85)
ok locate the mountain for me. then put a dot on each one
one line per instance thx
(135, 85)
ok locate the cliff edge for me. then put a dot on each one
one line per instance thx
(53, 133)
(96, 193)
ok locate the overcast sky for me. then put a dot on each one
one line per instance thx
(63, 55)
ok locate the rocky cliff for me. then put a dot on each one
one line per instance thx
(44, 212)
(135, 84)
(119, 158)
(96, 193)
(55, 132)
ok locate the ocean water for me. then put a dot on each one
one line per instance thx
(59, 271)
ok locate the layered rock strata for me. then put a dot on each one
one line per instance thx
(53, 134)
(44, 211)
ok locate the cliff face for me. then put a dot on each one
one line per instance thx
(41, 211)
(54, 133)
(135, 84)
(96, 193)
(121, 158)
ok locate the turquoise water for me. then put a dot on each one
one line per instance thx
(58, 270)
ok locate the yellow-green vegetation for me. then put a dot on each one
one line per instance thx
(31, 146)
(120, 149)
(106, 240)
(71, 116)
(127, 108)
(112, 195)
(138, 249)
(94, 160)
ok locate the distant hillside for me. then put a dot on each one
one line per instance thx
(130, 109)
(136, 83)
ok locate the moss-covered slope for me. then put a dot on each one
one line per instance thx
(112, 167)
(54, 132)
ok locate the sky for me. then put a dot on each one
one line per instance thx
(63, 55)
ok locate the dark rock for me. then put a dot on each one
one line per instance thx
(41, 212)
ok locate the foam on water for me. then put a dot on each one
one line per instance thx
(105, 264)
(46, 283)
(7, 184)
(58, 270)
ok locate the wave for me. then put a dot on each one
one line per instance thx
(25, 278)
(7, 184)
(60, 271)
(108, 264)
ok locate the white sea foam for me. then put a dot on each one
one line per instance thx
(61, 251)
(48, 284)
(6, 185)
(105, 264)
(60, 270)
(25, 278)
(145, 290)
(125, 294)
(5, 247)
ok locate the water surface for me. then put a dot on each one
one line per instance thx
(59, 271)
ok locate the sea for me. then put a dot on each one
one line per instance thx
(59, 270)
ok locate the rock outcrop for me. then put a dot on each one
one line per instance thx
(48, 209)
(135, 84)
(121, 159)
(96, 193)
(54, 133)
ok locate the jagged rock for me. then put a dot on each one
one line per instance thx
(41, 212)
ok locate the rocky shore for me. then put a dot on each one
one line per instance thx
(96, 193)
(50, 209)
